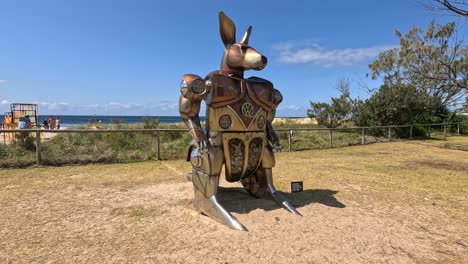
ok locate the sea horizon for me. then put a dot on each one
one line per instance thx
(77, 120)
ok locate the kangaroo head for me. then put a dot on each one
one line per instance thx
(238, 56)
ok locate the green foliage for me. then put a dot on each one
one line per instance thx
(434, 62)
(463, 119)
(335, 113)
(150, 122)
(24, 140)
(395, 105)
(419, 131)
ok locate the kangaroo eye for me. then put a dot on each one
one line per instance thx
(244, 48)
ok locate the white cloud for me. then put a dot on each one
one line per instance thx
(3, 81)
(55, 107)
(290, 107)
(291, 110)
(168, 105)
(152, 108)
(318, 55)
(107, 108)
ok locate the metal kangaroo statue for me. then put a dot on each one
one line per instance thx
(238, 131)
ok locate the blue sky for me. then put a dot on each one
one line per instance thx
(127, 57)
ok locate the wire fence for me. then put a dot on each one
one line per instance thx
(77, 146)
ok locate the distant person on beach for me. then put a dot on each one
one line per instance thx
(24, 122)
(51, 122)
(57, 123)
(28, 121)
(21, 123)
(45, 124)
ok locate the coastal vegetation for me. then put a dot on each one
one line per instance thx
(121, 147)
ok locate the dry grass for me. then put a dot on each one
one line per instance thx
(400, 202)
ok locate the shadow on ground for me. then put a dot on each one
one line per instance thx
(238, 200)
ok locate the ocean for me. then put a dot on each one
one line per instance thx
(77, 120)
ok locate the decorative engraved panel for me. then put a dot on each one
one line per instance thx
(237, 154)
(255, 153)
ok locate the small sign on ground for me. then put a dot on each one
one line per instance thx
(297, 186)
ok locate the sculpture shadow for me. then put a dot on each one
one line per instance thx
(238, 200)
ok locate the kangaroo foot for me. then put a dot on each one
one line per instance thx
(276, 196)
(255, 184)
(281, 201)
(205, 201)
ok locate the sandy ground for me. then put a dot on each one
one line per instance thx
(158, 225)
(300, 120)
(155, 223)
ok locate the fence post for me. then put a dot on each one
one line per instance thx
(38, 148)
(389, 133)
(363, 136)
(445, 131)
(429, 131)
(290, 140)
(330, 132)
(158, 139)
(458, 129)
(411, 132)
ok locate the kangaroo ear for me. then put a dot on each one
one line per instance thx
(227, 29)
(245, 38)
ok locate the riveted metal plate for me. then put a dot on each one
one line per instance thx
(198, 86)
(260, 122)
(225, 121)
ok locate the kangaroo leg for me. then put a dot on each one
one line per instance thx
(276, 196)
(268, 162)
(205, 179)
(256, 184)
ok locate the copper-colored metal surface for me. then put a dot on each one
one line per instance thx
(238, 131)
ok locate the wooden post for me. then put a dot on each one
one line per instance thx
(458, 129)
(363, 136)
(290, 140)
(429, 131)
(158, 139)
(389, 133)
(330, 132)
(38, 148)
(411, 132)
(445, 131)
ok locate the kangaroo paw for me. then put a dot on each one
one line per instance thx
(212, 208)
(276, 196)
(281, 201)
(205, 188)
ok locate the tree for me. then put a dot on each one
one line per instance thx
(457, 7)
(434, 61)
(396, 105)
(335, 113)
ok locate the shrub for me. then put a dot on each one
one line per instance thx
(419, 131)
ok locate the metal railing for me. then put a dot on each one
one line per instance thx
(290, 131)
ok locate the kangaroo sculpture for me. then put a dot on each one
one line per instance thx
(238, 131)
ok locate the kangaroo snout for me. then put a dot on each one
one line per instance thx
(254, 60)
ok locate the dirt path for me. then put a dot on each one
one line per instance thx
(157, 224)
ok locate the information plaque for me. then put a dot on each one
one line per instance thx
(297, 186)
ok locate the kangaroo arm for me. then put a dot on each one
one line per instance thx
(193, 91)
(271, 133)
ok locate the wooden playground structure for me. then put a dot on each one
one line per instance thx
(12, 118)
